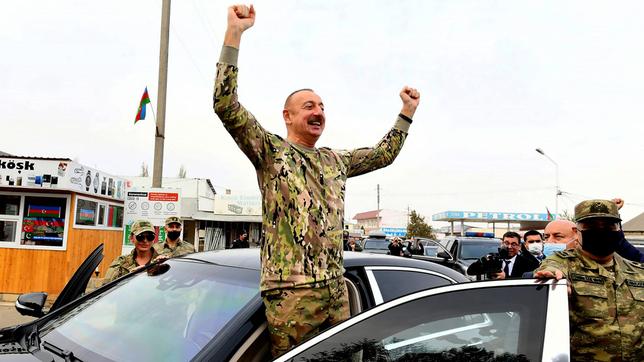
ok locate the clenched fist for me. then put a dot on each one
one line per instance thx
(410, 98)
(241, 17)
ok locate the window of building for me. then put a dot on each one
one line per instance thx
(97, 214)
(86, 212)
(9, 217)
(43, 222)
(115, 216)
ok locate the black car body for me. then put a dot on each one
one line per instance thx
(203, 306)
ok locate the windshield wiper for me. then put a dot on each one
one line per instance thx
(66, 354)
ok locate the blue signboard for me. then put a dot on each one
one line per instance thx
(394, 231)
(490, 216)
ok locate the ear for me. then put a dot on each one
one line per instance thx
(287, 116)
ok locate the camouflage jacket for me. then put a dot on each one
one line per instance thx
(302, 189)
(182, 248)
(124, 264)
(606, 307)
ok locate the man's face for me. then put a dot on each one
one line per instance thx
(560, 232)
(304, 116)
(598, 224)
(174, 226)
(533, 239)
(513, 245)
(244, 236)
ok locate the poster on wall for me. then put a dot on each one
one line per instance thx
(238, 205)
(59, 174)
(152, 204)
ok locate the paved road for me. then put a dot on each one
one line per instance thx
(9, 316)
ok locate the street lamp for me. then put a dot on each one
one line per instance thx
(557, 192)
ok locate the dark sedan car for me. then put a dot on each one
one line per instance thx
(204, 306)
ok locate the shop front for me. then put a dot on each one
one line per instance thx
(53, 213)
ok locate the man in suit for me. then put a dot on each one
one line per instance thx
(515, 264)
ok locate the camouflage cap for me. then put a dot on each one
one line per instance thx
(140, 226)
(596, 208)
(173, 219)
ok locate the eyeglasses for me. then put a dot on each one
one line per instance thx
(512, 245)
(146, 236)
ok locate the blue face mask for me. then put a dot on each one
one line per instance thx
(550, 248)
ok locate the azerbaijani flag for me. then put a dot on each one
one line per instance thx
(550, 217)
(145, 99)
(43, 211)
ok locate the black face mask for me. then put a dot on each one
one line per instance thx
(600, 242)
(173, 235)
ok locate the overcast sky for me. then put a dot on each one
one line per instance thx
(497, 79)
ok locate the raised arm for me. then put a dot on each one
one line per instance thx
(363, 160)
(239, 122)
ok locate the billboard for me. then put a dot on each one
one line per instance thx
(152, 204)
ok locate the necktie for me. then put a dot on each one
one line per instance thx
(506, 269)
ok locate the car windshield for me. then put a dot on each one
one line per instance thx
(477, 249)
(170, 316)
(381, 244)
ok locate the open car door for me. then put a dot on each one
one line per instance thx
(32, 303)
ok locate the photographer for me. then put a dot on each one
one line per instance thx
(396, 247)
(508, 263)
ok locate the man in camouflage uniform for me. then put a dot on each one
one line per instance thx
(142, 235)
(173, 246)
(606, 291)
(302, 197)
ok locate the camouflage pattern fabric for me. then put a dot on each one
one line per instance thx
(181, 248)
(302, 188)
(317, 309)
(596, 208)
(124, 264)
(606, 306)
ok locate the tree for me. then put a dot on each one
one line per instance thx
(144, 170)
(417, 227)
(565, 215)
(182, 171)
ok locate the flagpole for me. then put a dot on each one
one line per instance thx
(159, 135)
(153, 116)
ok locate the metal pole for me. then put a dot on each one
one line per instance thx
(159, 137)
(557, 192)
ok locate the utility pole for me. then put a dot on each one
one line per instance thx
(378, 196)
(159, 137)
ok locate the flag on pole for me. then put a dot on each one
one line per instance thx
(145, 99)
(550, 217)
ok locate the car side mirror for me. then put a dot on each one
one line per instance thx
(444, 255)
(31, 304)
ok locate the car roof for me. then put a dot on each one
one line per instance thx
(477, 239)
(249, 258)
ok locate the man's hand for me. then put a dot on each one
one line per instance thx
(240, 18)
(500, 275)
(410, 98)
(619, 202)
(551, 274)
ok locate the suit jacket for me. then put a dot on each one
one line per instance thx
(523, 264)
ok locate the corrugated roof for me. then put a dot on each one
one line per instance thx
(367, 215)
(634, 224)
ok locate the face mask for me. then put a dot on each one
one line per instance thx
(550, 248)
(173, 235)
(600, 242)
(535, 248)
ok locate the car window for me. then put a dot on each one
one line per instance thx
(170, 316)
(396, 283)
(381, 244)
(475, 250)
(500, 323)
(430, 250)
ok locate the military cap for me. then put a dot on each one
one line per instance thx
(173, 219)
(140, 226)
(596, 208)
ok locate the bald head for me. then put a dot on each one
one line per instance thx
(561, 232)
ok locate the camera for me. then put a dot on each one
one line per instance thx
(489, 264)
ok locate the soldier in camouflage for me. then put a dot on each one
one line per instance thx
(173, 246)
(606, 291)
(302, 196)
(142, 236)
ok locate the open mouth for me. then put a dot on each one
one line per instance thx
(315, 122)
